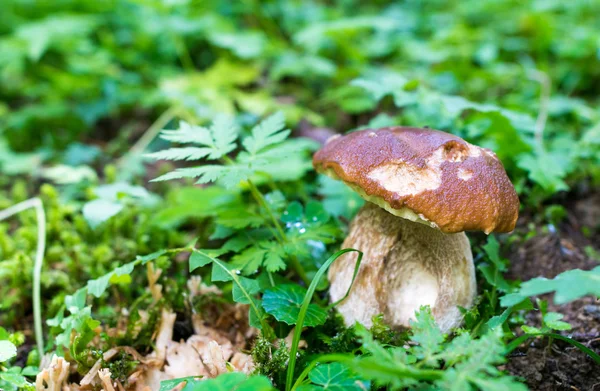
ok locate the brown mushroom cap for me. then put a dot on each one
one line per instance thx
(426, 176)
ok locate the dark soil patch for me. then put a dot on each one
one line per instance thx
(558, 365)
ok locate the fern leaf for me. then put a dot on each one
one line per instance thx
(187, 153)
(218, 140)
(188, 134)
(224, 132)
(268, 132)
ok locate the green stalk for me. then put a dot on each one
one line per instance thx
(304, 308)
(262, 202)
(518, 341)
(34, 203)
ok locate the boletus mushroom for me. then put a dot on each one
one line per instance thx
(423, 189)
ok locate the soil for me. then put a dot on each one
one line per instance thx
(556, 365)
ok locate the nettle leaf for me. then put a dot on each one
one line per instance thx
(284, 302)
(7, 350)
(233, 381)
(335, 377)
(568, 286)
(268, 132)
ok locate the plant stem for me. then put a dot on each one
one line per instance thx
(304, 308)
(34, 203)
(262, 202)
(540, 123)
(150, 134)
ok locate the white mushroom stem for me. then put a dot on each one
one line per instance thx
(406, 265)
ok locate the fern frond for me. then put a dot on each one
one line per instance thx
(187, 153)
(219, 139)
(268, 132)
(188, 134)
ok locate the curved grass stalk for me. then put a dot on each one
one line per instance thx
(518, 341)
(34, 203)
(304, 307)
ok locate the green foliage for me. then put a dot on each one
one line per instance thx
(334, 377)
(13, 377)
(468, 363)
(230, 382)
(284, 301)
(567, 286)
(81, 81)
(265, 152)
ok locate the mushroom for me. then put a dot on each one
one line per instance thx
(424, 188)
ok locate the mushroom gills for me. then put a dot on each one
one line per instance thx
(406, 265)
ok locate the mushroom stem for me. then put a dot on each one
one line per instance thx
(406, 265)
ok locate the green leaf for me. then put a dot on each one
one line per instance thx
(100, 210)
(234, 381)
(553, 321)
(546, 169)
(198, 259)
(492, 250)
(14, 379)
(268, 132)
(229, 175)
(568, 286)
(531, 330)
(427, 334)
(7, 350)
(216, 141)
(498, 320)
(168, 385)
(250, 286)
(284, 301)
(335, 377)
(339, 199)
(150, 257)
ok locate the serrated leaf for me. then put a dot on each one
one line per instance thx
(335, 377)
(249, 285)
(492, 250)
(268, 132)
(198, 259)
(426, 333)
(233, 381)
(284, 302)
(217, 140)
(567, 286)
(220, 272)
(187, 153)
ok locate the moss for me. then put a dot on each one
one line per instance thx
(270, 360)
